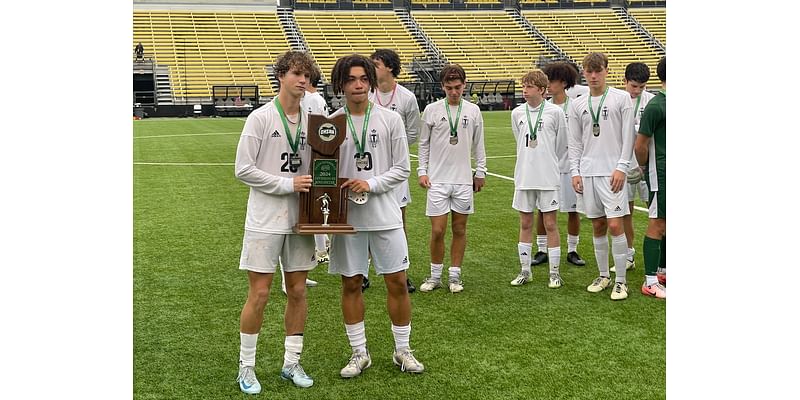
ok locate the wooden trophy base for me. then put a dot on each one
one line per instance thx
(308, 229)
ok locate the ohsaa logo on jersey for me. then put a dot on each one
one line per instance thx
(276, 134)
(327, 131)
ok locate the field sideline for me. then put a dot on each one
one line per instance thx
(492, 341)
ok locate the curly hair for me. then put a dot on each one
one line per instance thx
(341, 71)
(389, 58)
(561, 71)
(299, 60)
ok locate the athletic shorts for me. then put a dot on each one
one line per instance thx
(639, 189)
(567, 196)
(600, 201)
(261, 251)
(533, 199)
(350, 253)
(444, 197)
(403, 194)
(658, 205)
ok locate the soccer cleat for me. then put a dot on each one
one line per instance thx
(410, 286)
(322, 257)
(574, 259)
(629, 264)
(555, 281)
(297, 375)
(661, 274)
(359, 361)
(599, 284)
(655, 290)
(248, 383)
(521, 279)
(430, 284)
(311, 283)
(404, 358)
(456, 285)
(365, 284)
(539, 258)
(620, 291)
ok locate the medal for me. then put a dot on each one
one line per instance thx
(358, 198)
(533, 143)
(453, 127)
(294, 160)
(454, 140)
(533, 128)
(596, 117)
(596, 130)
(362, 162)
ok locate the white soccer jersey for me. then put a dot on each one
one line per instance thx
(262, 162)
(450, 163)
(577, 91)
(314, 103)
(386, 151)
(600, 155)
(537, 168)
(562, 142)
(404, 103)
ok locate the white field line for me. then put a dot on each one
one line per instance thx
(187, 134)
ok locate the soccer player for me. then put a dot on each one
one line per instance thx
(651, 153)
(636, 76)
(562, 76)
(600, 150)
(537, 126)
(389, 94)
(374, 158)
(452, 130)
(272, 159)
(576, 90)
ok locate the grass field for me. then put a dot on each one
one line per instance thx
(493, 341)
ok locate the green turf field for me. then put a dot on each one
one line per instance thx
(493, 341)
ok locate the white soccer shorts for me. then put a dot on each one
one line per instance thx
(532, 199)
(350, 253)
(444, 197)
(261, 252)
(600, 201)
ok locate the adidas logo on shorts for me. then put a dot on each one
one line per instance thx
(554, 203)
(405, 260)
(618, 209)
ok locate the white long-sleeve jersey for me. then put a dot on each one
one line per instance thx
(404, 103)
(443, 162)
(386, 149)
(314, 103)
(612, 149)
(537, 168)
(262, 162)
(562, 142)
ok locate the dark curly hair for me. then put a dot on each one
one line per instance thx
(562, 71)
(389, 58)
(341, 71)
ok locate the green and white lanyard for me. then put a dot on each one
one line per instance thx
(533, 129)
(294, 158)
(453, 127)
(596, 117)
(361, 159)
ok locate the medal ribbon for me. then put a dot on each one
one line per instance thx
(535, 128)
(378, 96)
(359, 144)
(292, 143)
(596, 118)
(453, 128)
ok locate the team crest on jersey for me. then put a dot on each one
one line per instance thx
(393, 107)
(276, 134)
(605, 113)
(464, 122)
(541, 124)
(373, 138)
(302, 140)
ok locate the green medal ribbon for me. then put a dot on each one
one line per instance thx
(596, 118)
(636, 108)
(292, 143)
(565, 105)
(359, 144)
(535, 128)
(453, 128)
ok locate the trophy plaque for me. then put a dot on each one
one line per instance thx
(323, 209)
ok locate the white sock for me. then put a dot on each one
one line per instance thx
(436, 271)
(541, 243)
(402, 336)
(619, 250)
(455, 273)
(554, 256)
(572, 243)
(293, 346)
(524, 251)
(357, 336)
(631, 252)
(601, 255)
(319, 242)
(247, 349)
(650, 280)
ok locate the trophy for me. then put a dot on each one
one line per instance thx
(323, 209)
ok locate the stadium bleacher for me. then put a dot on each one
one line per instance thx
(654, 20)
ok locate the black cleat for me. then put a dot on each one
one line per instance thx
(574, 259)
(411, 288)
(539, 258)
(365, 284)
